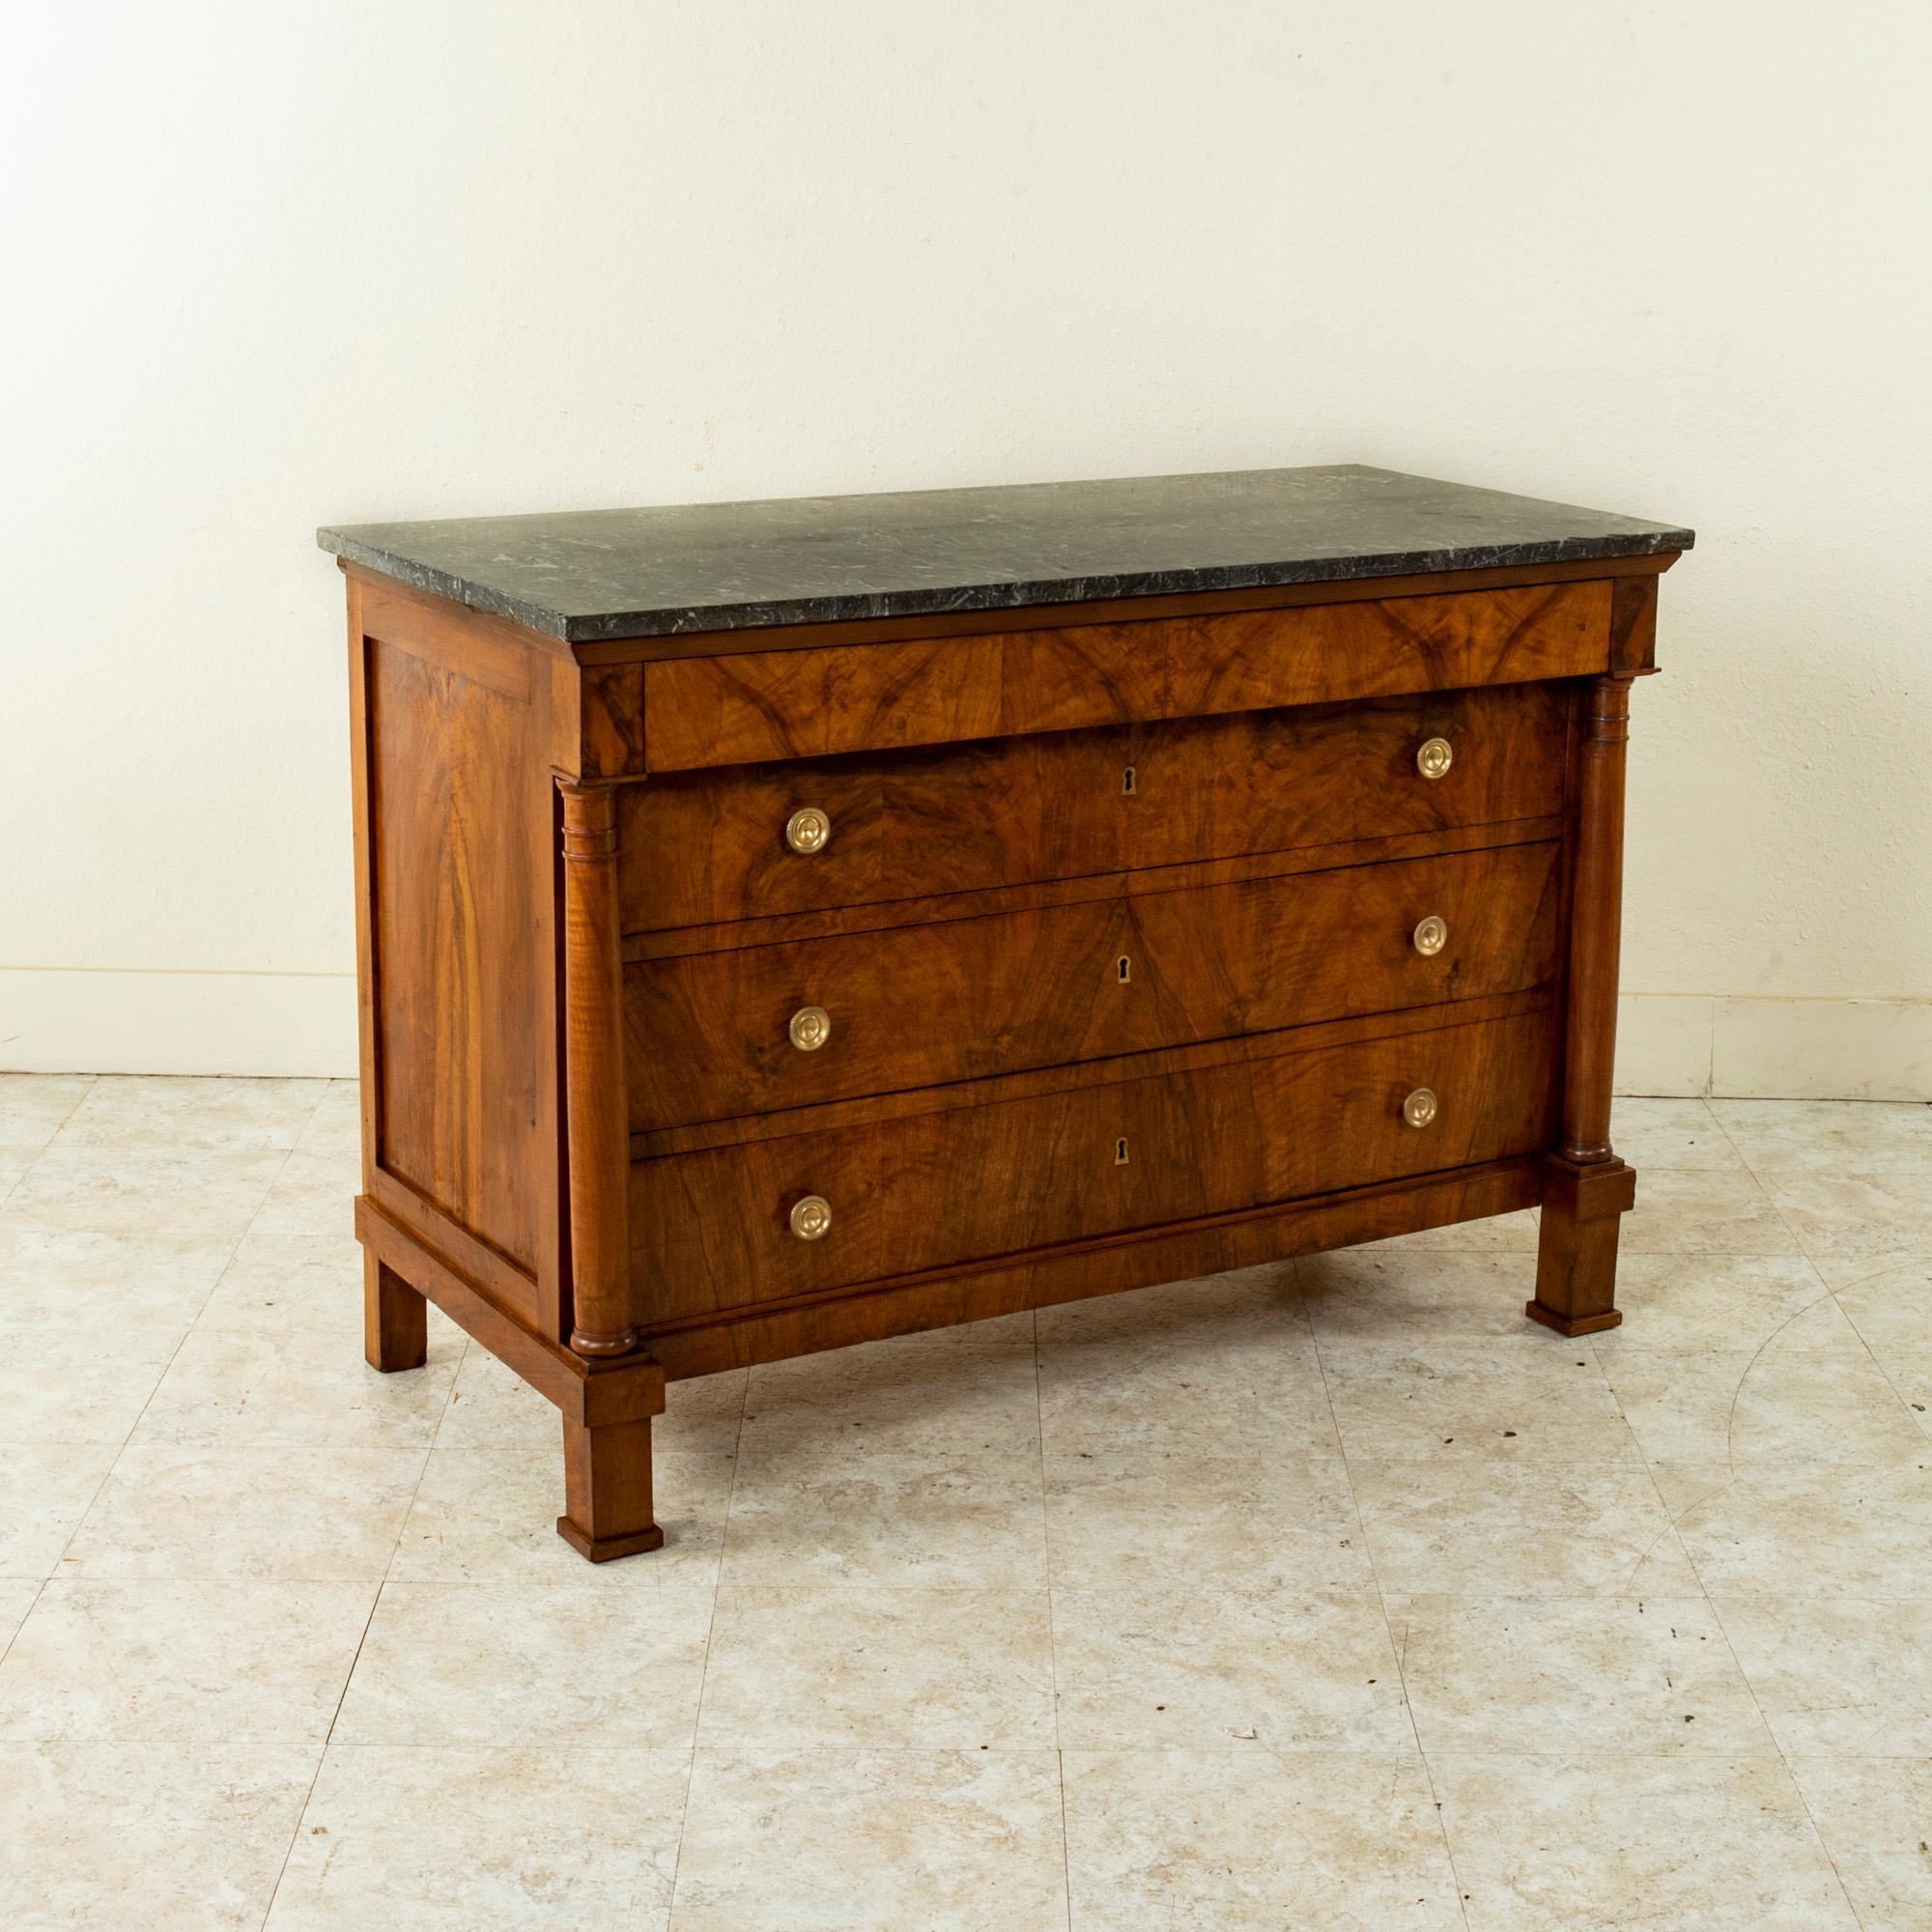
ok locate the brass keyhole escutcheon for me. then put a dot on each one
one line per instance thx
(811, 1028)
(812, 1217)
(1419, 1109)
(1435, 757)
(1431, 936)
(1127, 782)
(1120, 1153)
(808, 829)
(1123, 971)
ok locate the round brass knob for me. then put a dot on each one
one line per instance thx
(1430, 937)
(808, 829)
(811, 1028)
(812, 1217)
(1435, 757)
(1419, 1109)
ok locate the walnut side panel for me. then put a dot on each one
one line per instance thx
(813, 703)
(459, 1013)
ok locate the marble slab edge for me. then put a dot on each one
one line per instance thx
(676, 620)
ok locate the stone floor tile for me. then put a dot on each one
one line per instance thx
(1875, 1817)
(335, 1128)
(95, 1288)
(101, 1406)
(489, 1516)
(169, 1662)
(310, 1207)
(1637, 1843)
(447, 1839)
(45, 1489)
(143, 1191)
(1537, 1401)
(867, 1667)
(1716, 1301)
(1778, 1408)
(302, 1386)
(283, 1510)
(807, 1514)
(1821, 1529)
(1876, 1212)
(1172, 1668)
(1500, 1528)
(34, 1106)
(1689, 1212)
(1836, 1136)
(1653, 1135)
(1242, 1521)
(16, 1598)
(1404, 1298)
(189, 1116)
(948, 1389)
(15, 1161)
(1651, 1675)
(1255, 1841)
(166, 1838)
(526, 1664)
(1838, 1676)
(837, 1840)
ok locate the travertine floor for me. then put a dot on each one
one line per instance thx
(1330, 1596)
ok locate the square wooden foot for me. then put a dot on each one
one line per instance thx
(606, 1480)
(395, 1319)
(1577, 1246)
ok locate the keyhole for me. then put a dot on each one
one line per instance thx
(1121, 970)
(1120, 1153)
(1127, 782)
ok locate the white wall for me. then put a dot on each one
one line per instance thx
(268, 266)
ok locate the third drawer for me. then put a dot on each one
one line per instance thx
(714, 1035)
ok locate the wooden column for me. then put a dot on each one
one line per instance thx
(1586, 1188)
(599, 1167)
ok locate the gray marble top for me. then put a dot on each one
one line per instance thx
(586, 573)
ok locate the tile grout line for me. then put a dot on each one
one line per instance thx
(93, 1081)
(1052, 1634)
(710, 1631)
(1382, 1597)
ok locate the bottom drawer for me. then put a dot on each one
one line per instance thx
(713, 1229)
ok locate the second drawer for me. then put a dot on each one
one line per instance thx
(721, 1035)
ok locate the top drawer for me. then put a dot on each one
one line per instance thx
(705, 847)
(821, 700)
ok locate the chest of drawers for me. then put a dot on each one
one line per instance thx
(786, 924)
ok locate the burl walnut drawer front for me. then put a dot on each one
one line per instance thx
(722, 1035)
(745, 707)
(705, 847)
(717, 1229)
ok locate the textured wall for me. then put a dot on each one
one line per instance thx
(274, 265)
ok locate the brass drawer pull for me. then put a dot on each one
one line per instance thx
(1435, 757)
(1431, 936)
(808, 829)
(811, 1028)
(812, 1217)
(1418, 1110)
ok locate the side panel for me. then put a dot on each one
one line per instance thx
(456, 876)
